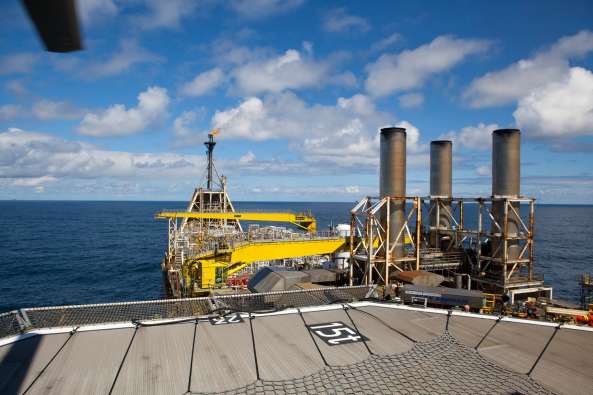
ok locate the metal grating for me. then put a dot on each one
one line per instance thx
(45, 317)
(78, 315)
(271, 301)
(9, 324)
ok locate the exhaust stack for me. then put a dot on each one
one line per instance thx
(392, 181)
(441, 175)
(506, 182)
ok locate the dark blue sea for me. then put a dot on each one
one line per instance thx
(73, 252)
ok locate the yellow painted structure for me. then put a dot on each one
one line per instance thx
(303, 221)
(212, 269)
(206, 243)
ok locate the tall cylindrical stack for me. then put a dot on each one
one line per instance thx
(506, 183)
(441, 179)
(393, 181)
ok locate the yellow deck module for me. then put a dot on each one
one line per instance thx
(303, 221)
(215, 267)
(207, 243)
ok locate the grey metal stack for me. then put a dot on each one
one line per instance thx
(441, 190)
(393, 180)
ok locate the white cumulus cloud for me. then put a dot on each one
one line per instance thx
(31, 159)
(412, 137)
(477, 137)
(526, 75)
(203, 83)
(290, 70)
(411, 68)
(251, 71)
(165, 14)
(118, 120)
(344, 134)
(562, 108)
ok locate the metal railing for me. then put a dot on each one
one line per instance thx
(23, 320)
(10, 324)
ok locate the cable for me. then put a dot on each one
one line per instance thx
(364, 340)
(121, 365)
(384, 323)
(488, 333)
(544, 350)
(312, 338)
(254, 348)
(72, 332)
(191, 361)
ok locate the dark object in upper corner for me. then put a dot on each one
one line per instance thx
(57, 23)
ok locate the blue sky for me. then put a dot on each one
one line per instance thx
(299, 90)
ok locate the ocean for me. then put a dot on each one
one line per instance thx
(75, 252)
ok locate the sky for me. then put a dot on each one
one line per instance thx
(299, 90)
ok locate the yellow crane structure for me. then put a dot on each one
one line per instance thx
(207, 244)
(304, 221)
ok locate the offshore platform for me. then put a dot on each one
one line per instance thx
(208, 248)
(483, 244)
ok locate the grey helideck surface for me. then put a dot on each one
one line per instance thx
(158, 361)
(344, 354)
(284, 347)
(223, 357)
(411, 352)
(23, 361)
(567, 364)
(88, 362)
(516, 346)
(417, 325)
(374, 328)
(470, 331)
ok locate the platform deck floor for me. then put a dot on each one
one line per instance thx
(405, 350)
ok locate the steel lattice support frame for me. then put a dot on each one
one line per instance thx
(495, 270)
(371, 247)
